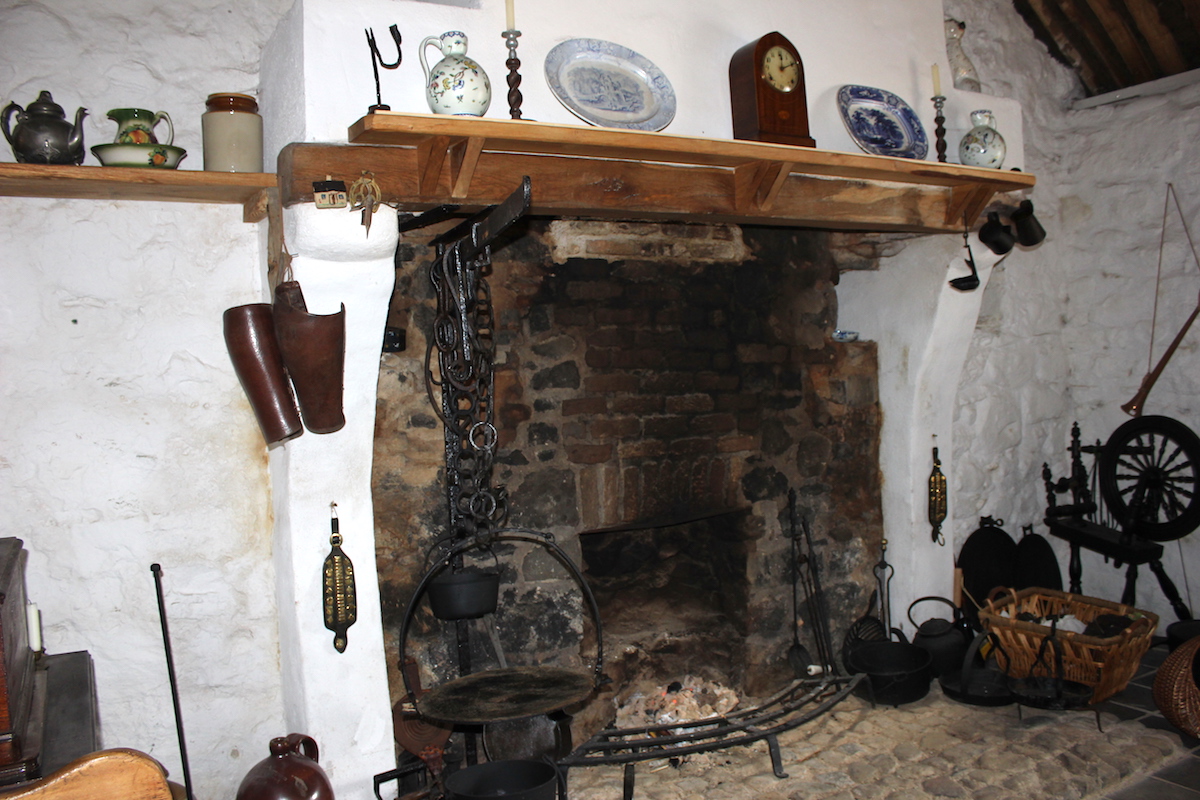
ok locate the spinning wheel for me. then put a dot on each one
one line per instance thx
(1148, 473)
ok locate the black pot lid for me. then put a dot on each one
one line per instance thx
(988, 559)
(1036, 564)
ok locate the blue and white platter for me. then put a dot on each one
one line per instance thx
(610, 86)
(881, 123)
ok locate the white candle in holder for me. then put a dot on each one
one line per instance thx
(509, 17)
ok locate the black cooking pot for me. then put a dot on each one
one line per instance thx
(1182, 631)
(467, 594)
(512, 780)
(946, 640)
(897, 672)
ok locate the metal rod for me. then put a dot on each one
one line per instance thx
(162, 616)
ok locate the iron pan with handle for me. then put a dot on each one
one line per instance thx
(979, 684)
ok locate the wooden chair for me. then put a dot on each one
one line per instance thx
(118, 774)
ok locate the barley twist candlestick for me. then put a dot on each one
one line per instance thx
(514, 77)
(939, 131)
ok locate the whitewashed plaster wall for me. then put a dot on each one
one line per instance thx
(128, 440)
(689, 40)
(1064, 332)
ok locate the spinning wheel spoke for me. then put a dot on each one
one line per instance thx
(1148, 473)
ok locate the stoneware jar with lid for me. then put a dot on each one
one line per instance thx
(233, 133)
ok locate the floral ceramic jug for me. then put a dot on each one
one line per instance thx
(136, 126)
(456, 84)
(983, 146)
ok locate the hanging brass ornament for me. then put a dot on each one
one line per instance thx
(937, 499)
(340, 603)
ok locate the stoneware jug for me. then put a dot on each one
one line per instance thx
(136, 126)
(456, 84)
(291, 772)
(983, 146)
(43, 135)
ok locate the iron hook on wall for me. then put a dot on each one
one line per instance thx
(377, 62)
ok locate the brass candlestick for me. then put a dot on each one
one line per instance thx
(514, 76)
(939, 131)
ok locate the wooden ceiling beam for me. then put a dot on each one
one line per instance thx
(1158, 36)
(1083, 19)
(1119, 30)
(1075, 47)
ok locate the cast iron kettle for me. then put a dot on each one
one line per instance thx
(291, 772)
(42, 134)
(946, 641)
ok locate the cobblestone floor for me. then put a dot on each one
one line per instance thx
(938, 748)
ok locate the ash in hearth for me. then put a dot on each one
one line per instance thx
(688, 700)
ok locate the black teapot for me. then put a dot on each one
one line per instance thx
(43, 135)
(946, 641)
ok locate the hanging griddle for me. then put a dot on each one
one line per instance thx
(511, 693)
(988, 559)
(502, 695)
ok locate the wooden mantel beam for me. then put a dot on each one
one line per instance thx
(423, 161)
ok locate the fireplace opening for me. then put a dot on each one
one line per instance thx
(673, 600)
(649, 378)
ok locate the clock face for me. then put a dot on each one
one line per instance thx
(780, 69)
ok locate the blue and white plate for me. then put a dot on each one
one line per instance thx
(611, 86)
(881, 123)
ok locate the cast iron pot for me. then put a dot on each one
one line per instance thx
(512, 780)
(897, 672)
(467, 594)
(1181, 631)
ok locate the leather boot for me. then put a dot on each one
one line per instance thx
(250, 338)
(314, 352)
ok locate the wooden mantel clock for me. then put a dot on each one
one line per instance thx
(766, 86)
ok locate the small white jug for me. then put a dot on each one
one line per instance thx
(456, 84)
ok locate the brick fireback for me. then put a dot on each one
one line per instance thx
(649, 373)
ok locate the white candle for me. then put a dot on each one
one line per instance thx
(937, 79)
(509, 17)
(33, 619)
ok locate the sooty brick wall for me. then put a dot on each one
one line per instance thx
(645, 374)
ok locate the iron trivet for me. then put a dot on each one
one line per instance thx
(791, 707)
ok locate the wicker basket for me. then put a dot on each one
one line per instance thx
(1105, 664)
(1175, 691)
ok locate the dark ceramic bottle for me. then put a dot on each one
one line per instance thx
(291, 772)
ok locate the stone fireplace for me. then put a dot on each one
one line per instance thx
(568, 459)
(659, 389)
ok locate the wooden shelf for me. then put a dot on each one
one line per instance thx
(423, 160)
(249, 190)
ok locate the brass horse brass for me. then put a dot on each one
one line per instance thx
(340, 602)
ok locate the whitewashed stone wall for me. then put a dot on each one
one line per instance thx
(128, 440)
(1064, 332)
